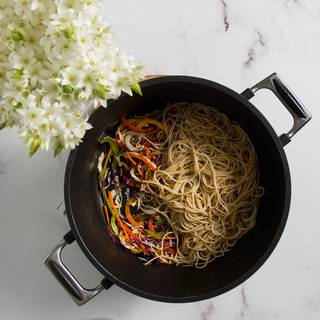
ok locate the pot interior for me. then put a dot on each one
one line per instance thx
(171, 283)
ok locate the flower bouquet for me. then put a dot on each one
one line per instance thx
(57, 63)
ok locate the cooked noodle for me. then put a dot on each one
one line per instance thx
(207, 185)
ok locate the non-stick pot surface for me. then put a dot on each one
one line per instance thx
(172, 283)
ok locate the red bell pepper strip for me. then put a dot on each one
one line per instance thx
(151, 226)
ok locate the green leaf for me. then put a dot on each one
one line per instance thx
(3, 125)
(58, 149)
(101, 92)
(68, 33)
(136, 88)
(17, 36)
(25, 94)
(34, 147)
(18, 73)
(68, 89)
(17, 106)
(115, 149)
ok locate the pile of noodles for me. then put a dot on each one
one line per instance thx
(207, 186)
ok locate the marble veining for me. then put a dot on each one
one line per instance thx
(244, 298)
(2, 167)
(61, 203)
(314, 302)
(258, 44)
(208, 312)
(225, 15)
(288, 2)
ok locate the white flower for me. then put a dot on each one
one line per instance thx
(38, 5)
(21, 7)
(73, 76)
(57, 62)
(22, 58)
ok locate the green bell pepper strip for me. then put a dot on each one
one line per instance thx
(114, 227)
(104, 169)
(114, 163)
(113, 216)
(156, 235)
(114, 147)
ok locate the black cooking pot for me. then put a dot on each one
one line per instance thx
(171, 283)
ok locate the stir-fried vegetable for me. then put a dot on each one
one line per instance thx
(103, 170)
(147, 161)
(148, 121)
(132, 126)
(111, 222)
(113, 146)
(128, 214)
(116, 214)
(130, 159)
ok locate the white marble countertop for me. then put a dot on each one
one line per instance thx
(236, 43)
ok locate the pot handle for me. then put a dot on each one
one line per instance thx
(53, 261)
(299, 113)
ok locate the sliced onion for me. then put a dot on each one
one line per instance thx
(134, 176)
(100, 161)
(128, 143)
(119, 134)
(138, 145)
(155, 145)
(148, 211)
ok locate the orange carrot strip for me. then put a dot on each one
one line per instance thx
(128, 214)
(143, 158)
(117, 215)
(148, 153)
(140, 170)
(130, 158)
(107, 215)
(129, 231)
(170, 250)
(151, 226)
(132, 235)
(138, 216)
